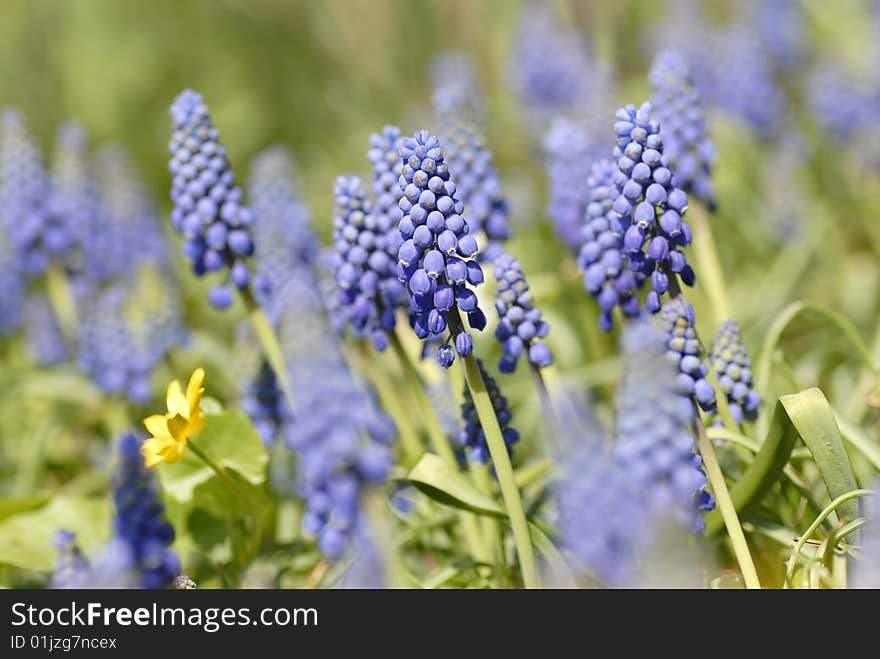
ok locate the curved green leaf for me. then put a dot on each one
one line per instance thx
(808, 416)
(438, 481)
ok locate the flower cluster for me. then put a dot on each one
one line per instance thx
(650, 204)
(341, 438)
(130, 230)
(24, 195)
(841, 103)
(683, 126)
(436, 260)
(283, 237)
(385, 162)
(732, 367)
(472, 435)
(549, 65)
(520, 327)
(11, 285)
(46, 343)
(653, 442)
(72, 568)
(781, 26)
(365, 265)
(606, 275)
(683, 349)
(470, 164)
(264, 403)
(140, 519)
(208, 209)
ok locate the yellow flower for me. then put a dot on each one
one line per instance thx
(184, 419)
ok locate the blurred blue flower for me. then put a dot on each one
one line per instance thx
(46, 343)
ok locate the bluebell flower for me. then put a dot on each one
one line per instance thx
(520, 327)
(653, 435)
(140, 517)
(684, 350)
(341, 437)
(208, 208)
(436, 259)
(682, 125)
(650, 205)
(607, 276)
(732, 367)
(46, 344)
(265, 404)
(549, 65)
(130, 233)
(365, 262)
(24, 197)
(472, 435)
(283, 237)
(470, 165)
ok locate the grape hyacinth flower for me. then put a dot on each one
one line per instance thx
(46, 343)
(520, 327)
(470, 164)
(365, 264)
(140, 519)
(684, 350)
(436, 260)
(341, 438)
(208, 209)
(685, 137)
(385, 162)
(472, 434)
(781, 26)
(264, 403)
(24, 194)
(654, 444)
(839, 102)
(283, 237)
(72, 568)
(13, 290)
(650, 205)
(732, 367)
(606, 275)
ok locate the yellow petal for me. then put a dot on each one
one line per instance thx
(160, 449)
(177, 403)
(194, 390)
(157, 425)
(178, 427)
(197, 423)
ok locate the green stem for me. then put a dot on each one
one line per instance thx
(503, 469)
(222, 474)
(728, 511)
(708, 264)
(440, 442)
(547, 405)
(271, 347)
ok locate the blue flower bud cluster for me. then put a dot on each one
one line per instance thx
(683, 126)
(470, 164)
(74, 212)
(72, 568)
(24, 196)
(341, 438)
(208, 209)
(650, 204)
(385, 162)
(13, 290)
(265, 404)
(841, 104)
(454, 79)
(130, 232)
(732, 367)
(549, 62)
(283, 237)
(684, 350)
(46, 343)
(606, 274)
(436, 260)
(520, 327)
(365, 264)
(140, 517)
(654, 444)
(472, 435)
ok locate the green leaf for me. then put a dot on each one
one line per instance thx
(860, 441)
(26, 538)
(230, 441)
(805, 415)
(440, 482)
(10, 506)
